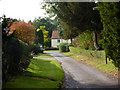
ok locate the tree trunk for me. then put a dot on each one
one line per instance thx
(95, 40)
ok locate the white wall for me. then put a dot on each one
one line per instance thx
(55, 42)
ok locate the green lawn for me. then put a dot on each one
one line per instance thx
(93, 58)
(51, 50)
(44, 55)
(39, 74)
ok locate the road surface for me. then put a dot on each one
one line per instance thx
(80, 75)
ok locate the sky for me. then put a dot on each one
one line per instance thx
(24, 9)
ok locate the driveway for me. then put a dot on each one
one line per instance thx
(80, 75)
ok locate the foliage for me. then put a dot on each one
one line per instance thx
(69, 32)
(45, 36)
(15, 57)
(39, 37)
(42, 35)
(52, 48)
(15, 54)
(25, 55)
(35, 48)
(100, 43)
(85, 40)
(48, 23)
(24, 31)
(77, 17)
(110, 14)
(63, 47)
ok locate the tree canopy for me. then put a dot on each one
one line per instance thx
(48, 23)
(23, 31)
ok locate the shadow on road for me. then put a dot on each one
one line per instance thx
(70, 83)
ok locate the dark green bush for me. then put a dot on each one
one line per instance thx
(25, 55)
(35, 48)
(110, 17)
(51, 48)
(15, 54)
(15, 57)
(100, 43)
(63, 47)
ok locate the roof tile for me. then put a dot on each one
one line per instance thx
(55, 35)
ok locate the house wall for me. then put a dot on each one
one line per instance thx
(56, 42)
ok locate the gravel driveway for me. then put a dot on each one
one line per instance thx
(80, 75)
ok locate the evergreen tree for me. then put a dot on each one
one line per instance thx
(110, 17)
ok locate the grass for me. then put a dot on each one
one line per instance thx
(31, 82)
(45, 69)
(93, 58)
(39, 74)
(44, 55)
(51, 50)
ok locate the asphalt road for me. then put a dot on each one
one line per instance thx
(80, 75)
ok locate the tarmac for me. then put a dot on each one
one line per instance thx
(80, 75)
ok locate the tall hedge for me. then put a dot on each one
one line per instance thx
(110, 17)
(15, 57)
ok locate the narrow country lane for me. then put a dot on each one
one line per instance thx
(80, 75)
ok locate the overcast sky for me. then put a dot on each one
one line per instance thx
(24, 9)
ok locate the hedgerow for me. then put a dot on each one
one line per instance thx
(110, 17)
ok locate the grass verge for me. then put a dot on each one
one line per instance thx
(93, 58)
(51, 50)
(44, 55)
(39, 74)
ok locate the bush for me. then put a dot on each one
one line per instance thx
(35, 48)
(14, 57)
(25, 55)
(110, 17)
(51, 48)
(100, 43)
(84, 40)
(63, 47)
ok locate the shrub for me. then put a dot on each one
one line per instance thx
(63, 47)
(25, 55)
(51, 48)
(35, 48)
(15, 57)
(110, 14)
(100, 43)
(85, 40)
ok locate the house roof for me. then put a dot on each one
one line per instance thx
(55, 35)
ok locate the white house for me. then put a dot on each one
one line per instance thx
(56, 39)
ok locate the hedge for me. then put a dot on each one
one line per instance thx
(35, 48)
(110, 17)
(63, 47)
(15, 57)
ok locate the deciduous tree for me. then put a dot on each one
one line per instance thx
(23, 31)
(78, 16)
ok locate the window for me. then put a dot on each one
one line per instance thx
(58, 41)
